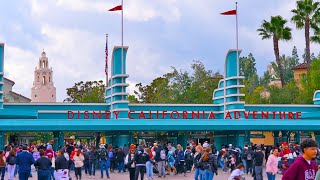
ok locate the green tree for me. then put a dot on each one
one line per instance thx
(132, 99)
(247, 66)
(276, 30)
(265, 79)
(203, 84)
(312, 56)
(287, 63)
(157, 92)
(306, 16)
(310, 83)
(295, 55)
(285, 95)
(181, 87)
(255, 97)
(88, 92)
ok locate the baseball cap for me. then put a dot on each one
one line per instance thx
(205, 145)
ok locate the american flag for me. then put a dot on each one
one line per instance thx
(106, 68)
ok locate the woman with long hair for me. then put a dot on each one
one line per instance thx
(11, 164)
(272, 164)
(237, 173)
(196, 164)
(209, 165)
(78, 163)
(180, 161)
(149, 164)
(129, 162)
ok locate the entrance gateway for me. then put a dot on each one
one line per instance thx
(117, 119)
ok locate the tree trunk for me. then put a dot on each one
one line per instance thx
(307, 38)
(276, 53)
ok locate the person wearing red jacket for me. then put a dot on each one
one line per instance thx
(287, 153)
(304, 167)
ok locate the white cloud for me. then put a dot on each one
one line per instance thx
(19, 68)
(138, 10)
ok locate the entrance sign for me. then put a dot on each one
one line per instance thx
(184, 115)
(117, 119)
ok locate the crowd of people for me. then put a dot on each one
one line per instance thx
(293, 161)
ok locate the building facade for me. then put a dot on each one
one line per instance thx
(9, 96)
(43, 89)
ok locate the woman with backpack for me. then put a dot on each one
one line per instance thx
(207, 162)
(44, 166)
(78, 163)
(11, 164)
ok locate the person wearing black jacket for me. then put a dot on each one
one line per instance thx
(141, 159)
(248, 157)
(258, 160)
(196, 164)
(129, 161)
(86, 160)
(44, 165)
(93, 154)
(208, 162)
(120, 158)
(61, 165)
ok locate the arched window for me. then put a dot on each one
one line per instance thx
(44, 80)
(38, 78)
(43, 64)
(49, 79)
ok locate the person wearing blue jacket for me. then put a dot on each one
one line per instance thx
(24, 160)
(180, 161)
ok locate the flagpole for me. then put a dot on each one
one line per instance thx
(237, 36)
(122, 62)
(122, 37)
(106, 62)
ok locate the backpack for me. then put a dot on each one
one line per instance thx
(162, 155)
(103, 154)
(188, 156)
(110, 153)
(11, 160)
(249, 157)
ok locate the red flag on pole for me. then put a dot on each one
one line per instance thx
(117, 8)
(232, 12)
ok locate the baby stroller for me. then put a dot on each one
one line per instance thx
(180, 167)
(155, 168)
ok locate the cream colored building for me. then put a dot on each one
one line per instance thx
(9, 96)
(299, 72)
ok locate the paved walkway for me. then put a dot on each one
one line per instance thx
(125, 176)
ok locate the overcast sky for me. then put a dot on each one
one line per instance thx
(159, 33)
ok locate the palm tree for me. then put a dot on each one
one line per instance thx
(276, 30)
(307, 15)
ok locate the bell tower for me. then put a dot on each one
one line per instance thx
(43, 89)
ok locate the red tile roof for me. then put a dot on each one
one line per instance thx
(301, 66)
